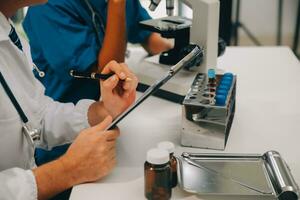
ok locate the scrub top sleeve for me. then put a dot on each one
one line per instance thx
(137, 34)
(62, 122)
(17, 184)
(65, 40)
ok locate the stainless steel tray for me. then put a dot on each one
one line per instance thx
(265, 175)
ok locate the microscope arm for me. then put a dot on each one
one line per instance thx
(205, 28)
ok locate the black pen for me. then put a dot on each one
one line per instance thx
(190, 58)
(90, 75)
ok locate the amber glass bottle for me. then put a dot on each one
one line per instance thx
(157, 175)
(170, 147)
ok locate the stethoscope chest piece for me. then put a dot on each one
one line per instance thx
(32, 135)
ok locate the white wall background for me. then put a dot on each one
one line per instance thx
(260, 16)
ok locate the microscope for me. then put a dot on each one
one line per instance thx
(207, 96)
(202, 30)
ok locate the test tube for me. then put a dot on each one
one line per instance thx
(212, 85)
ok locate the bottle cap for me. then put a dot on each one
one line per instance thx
(211, 73)
(158, 156)
(222, 92)
(224, 87)
(168, 146)
(226, 82)
(220, 100)
(226, 78)
(228, 75)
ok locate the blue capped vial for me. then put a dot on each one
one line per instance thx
(220, 100)
(222, 92)
(211, 74)
(224, 87)
(226, 78)
(228, 75)
(226, 82)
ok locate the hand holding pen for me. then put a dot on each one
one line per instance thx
(119, 91)
(118, 86)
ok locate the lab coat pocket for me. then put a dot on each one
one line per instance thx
(13, 145)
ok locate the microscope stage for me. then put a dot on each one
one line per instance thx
(166, 24)
(149, 71)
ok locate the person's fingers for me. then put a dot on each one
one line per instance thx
(106, 69)
(107, 167)
(112, 135)
(110, 166)
(131, 78)
(107, 153)
(113, 66)
(126, 94)
(109, 157)
(130, 86)
(111, 154)
(111, 145)
(103, 125)
(127, 84)
(109, 85)
(113, 159)
(126, 69)
(135, 81)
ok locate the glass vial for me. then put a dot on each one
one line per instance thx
(170, 147)
(157, 175)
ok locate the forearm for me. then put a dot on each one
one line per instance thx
(53, 178)
(97, 113)
(114, 44)
(156, 44)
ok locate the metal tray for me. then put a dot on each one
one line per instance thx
(265, 175)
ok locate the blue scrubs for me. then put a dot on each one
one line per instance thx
(62, 38)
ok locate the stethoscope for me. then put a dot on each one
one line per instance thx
(98, 26)
(97, 21)
(32, 134)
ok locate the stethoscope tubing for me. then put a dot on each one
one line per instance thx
(31, 134)
(94, 16)
(13, 99)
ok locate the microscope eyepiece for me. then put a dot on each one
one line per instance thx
(154, 4)
(170, 7)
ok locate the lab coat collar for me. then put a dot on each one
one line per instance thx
(5, 27)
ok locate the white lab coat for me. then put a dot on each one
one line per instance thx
(60, 123)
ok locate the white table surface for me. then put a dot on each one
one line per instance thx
(267, 118)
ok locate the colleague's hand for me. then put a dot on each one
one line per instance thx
(92, 155)
(119, 91)
(155, 44)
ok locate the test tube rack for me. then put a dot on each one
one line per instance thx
(208, 111)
